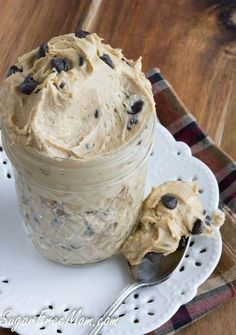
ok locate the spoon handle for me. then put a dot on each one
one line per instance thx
(109, 312)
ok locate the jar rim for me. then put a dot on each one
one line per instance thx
(68, 174)
(74, 163)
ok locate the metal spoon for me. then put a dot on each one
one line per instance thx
(153, 270)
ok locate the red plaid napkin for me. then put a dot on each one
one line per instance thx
(222, 284)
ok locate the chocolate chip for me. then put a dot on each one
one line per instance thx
(124, 60)
(89, 146)
(197, 227)
(60, 64)
(81, 60)
(43, 49)
(81, 33)
(62, 84)
(106, 58)
(60, 212)
(169, 201)
(89, 231)
(208, 220)
(182, 243)
(136, 107)
(90, 212)
(13, 69)
(96, 114)
(28, 85)
(133, 121)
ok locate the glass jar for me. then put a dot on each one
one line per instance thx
(81, 211)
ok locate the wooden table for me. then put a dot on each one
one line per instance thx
(192, 41)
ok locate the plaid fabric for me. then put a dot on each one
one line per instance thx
(222, 284)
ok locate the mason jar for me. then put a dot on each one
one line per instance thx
(79, 211)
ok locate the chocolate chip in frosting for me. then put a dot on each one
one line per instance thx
(169, 201)
(197, 227)
(124, 60)
(62, 85)
(81, 33)
(132, 122)
(182, 243)
(60, 64)
(60, 212)
(208, 220)
(28, 85)
(13, 69)
(43, 49)
(96, 114)
(81, 61)
(107, 59)
(89, 146)
(136, 107)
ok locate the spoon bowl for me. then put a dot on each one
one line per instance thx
(153, 270)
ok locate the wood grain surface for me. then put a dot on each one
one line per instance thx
(192, 41)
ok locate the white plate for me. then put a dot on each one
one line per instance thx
(30, 283)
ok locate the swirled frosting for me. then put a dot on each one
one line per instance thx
(75, 97)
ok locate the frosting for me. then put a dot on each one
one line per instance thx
(170, 212)
(75, 97)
